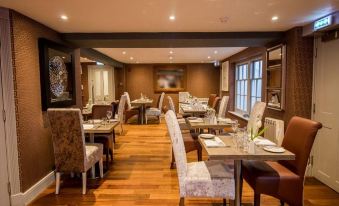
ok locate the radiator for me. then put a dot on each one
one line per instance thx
(275, 130)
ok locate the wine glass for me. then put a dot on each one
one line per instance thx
(235, 126)
(109, 115)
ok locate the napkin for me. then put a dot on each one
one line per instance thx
(226, 120)
(216, 142)
(113, 120)
(97, 121)
(260, 141)
(88, 126)
(198, 120)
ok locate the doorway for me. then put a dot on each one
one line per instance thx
(326, 110)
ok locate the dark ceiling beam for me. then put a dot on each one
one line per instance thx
(100, 57)
(172, 39)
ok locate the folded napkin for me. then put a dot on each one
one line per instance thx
(88, 126)
(226, 120)
(216, 142)
(113, 120)
(198, 120)
(260, 141)
(97, 121)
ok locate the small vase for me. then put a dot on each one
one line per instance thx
(251, 147)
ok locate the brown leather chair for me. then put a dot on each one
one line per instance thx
(191, 144)
(99, 112)
(211, 99)
(284, 179)
(216, 103)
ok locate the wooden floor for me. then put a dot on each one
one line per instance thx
(140, 175)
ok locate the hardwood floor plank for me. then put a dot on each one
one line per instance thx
(140, 175)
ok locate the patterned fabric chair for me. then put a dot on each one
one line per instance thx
(223, 107)
(214, 179)
(256, 115)
(121, 109)
(155, 111)
(70, 151)
(130, 111)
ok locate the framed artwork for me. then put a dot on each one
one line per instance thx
(224, 76)
(169, 79)
(57, 76)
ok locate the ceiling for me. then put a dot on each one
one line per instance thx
(190, 15)
(170, 55)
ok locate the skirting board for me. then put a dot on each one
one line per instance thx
(25, 198)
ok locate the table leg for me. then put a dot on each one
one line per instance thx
(91, 139)
(237, 176)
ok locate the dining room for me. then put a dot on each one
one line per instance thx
(169, 109)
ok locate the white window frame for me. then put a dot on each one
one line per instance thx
(249, 81)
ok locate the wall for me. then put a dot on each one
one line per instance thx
(201, 80)
(36, 158)
(298, 99)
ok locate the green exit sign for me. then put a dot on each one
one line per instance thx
(323, 22)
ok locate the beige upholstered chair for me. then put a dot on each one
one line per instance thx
(256, 115)
(121, 109)
(155, 111)
(213, 179)
(71, 153)
(223, 107)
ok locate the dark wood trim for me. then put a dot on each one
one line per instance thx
(98, 56)
(171, 39)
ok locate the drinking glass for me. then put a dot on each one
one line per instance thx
(235, 126)
(109, 115)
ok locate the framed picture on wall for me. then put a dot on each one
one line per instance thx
(57, 76)
(169, 79)
(224, 76)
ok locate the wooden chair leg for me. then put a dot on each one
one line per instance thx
(224, 202)
(57, 183)
(173, 166)
(84, 179)
(182, 201)
(256, 199)
(199, 153)
(101, 168)
(113, 133)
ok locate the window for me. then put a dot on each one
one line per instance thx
(248, 85)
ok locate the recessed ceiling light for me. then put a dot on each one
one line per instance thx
(172, 17)
(170, 57)
(123, 52)
(171, 52)
(63, 17)
(208, 57)
(63, 57)
(215, 52)
(131, 58)
(275, 18)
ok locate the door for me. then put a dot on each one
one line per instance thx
(101, 83)
(326, 101)
(4, 192)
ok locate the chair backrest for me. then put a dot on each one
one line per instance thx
(128, 101)
(223, 106)
(121, 108)
(216, 103)
(161, 100)
(299, 138)
(178, 147)
(183, 96)
(115, 107)
(256, 115)
(68, 139)
(211, 99)
(170, 103)
(100, 111)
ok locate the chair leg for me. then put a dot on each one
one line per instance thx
(173, 161)
(84, 179)
(224, 202)
(57, 183)
(122, 129)
(256, 199)
(113, 136)
(146, 119)
(282, 203)
(182, 201)
(101, 168)
(159, 119)
(199, 152)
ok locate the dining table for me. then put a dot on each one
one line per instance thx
(205, 123)
(229, 151)
(194, 110)
(93, 127)
(142, 103)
